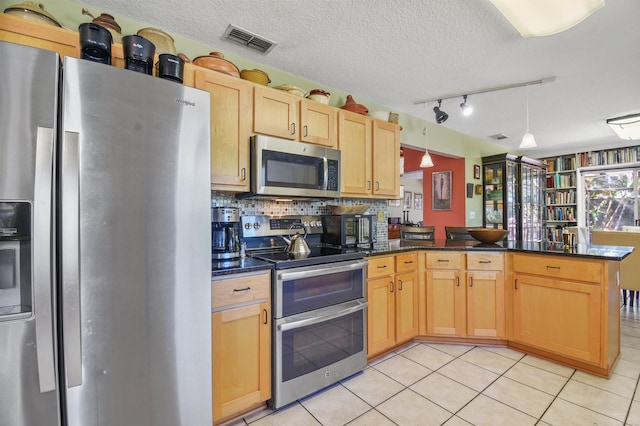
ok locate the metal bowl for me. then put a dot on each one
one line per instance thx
(487, 236)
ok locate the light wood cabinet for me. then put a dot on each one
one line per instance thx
(21, 31)
(558, 306)
(275, 113)
(241, 343)
(231, 120)
(465, 299)
(392, 293)
(485, 295)
(318, 123)
(370, 156)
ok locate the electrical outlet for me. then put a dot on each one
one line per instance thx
(472, 215)
(380, 216)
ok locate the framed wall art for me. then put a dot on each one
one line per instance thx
(441, 190)
(417, 201)
(407, 200)
(476, 171)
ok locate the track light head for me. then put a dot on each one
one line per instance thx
(441, 116)
(467, 109)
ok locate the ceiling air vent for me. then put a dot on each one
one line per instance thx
(499, 136)
(248, 39)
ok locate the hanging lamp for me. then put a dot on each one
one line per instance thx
(528, 141)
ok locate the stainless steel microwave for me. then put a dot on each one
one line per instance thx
(285, 168)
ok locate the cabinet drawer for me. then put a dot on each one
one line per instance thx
(444, 260)
(406, 262)
(485, 261)
(559, 267)
(380, 266)
(239, 290)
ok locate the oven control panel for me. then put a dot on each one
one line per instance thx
(264, 225)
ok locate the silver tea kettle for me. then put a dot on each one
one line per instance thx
(297, 243)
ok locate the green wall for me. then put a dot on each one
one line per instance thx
(441, 139)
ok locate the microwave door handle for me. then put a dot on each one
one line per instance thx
(42, 273)
(70, 193)
(325, 165)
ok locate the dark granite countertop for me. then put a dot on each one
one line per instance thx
(247, 264)
(590, 251)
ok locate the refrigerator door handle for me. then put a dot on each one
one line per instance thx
(42, 266)
(70, 217)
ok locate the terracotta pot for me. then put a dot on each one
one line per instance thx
(32, 11)
(351, 105)
(215, 61)
(257, 76)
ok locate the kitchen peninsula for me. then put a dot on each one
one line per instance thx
(555, 303)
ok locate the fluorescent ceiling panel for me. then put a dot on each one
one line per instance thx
(534, 18)
(627, 127)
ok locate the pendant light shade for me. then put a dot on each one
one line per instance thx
(528, 141)
(426, 158)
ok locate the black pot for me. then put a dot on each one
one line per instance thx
(138, 54)
(95, 42)
(170, 67)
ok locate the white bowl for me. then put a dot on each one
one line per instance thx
(380, 115)
(319, 98)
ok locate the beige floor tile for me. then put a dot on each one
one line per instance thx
(427, 356)
(292, 415)
(457, 421)
(564, 413)
(382, 358)
(477, 378)
(445, 392)
(488, 360)
(509, 353)
(629, 354)
(633, 419)
(409, 408)
(453, 350)
(549, 366)
(636, 396)
(484, 411)
(536, 378)
(620, 385)
(627, 369)
(519, 396)
(335, 406)
(630, 342)
(235, 422)
(371, 418)
(257, 414)
(629, 330)
(402, 370)
(372, 386)
(405, 347)
(595, 399)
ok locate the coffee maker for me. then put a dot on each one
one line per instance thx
(225, 237)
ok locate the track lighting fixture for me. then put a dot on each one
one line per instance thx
(467, 109)
(441, 116)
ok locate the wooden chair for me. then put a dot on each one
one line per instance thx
(422, 233)
(457, 233)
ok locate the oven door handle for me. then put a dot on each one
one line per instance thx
(323, 269)
(356, 305)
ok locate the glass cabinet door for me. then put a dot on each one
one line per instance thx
(494, 212)
(512, 220)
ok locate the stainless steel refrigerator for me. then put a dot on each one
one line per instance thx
(105, 252)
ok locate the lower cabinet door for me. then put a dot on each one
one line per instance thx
(241, 340)
(446, 312)
(537, 304)
(485, 304)
(406, 306)
(380, 315)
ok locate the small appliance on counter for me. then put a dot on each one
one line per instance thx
(225, 238)
(95, 42)
(138, 54)
(349, 230)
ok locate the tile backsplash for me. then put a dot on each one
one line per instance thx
(256, 206)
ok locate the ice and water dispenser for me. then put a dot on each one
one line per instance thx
(16, 292)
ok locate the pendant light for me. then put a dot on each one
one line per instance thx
(426, 158)
(528, 141)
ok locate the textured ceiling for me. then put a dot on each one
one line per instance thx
(398, 52)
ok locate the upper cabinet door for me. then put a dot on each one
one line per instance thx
(354, 142)
(275, 113)
(318, 123)
(230, 129)
(386, 159)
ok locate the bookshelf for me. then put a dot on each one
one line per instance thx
(560, 194)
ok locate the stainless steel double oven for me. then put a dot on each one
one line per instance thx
(319, 313)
